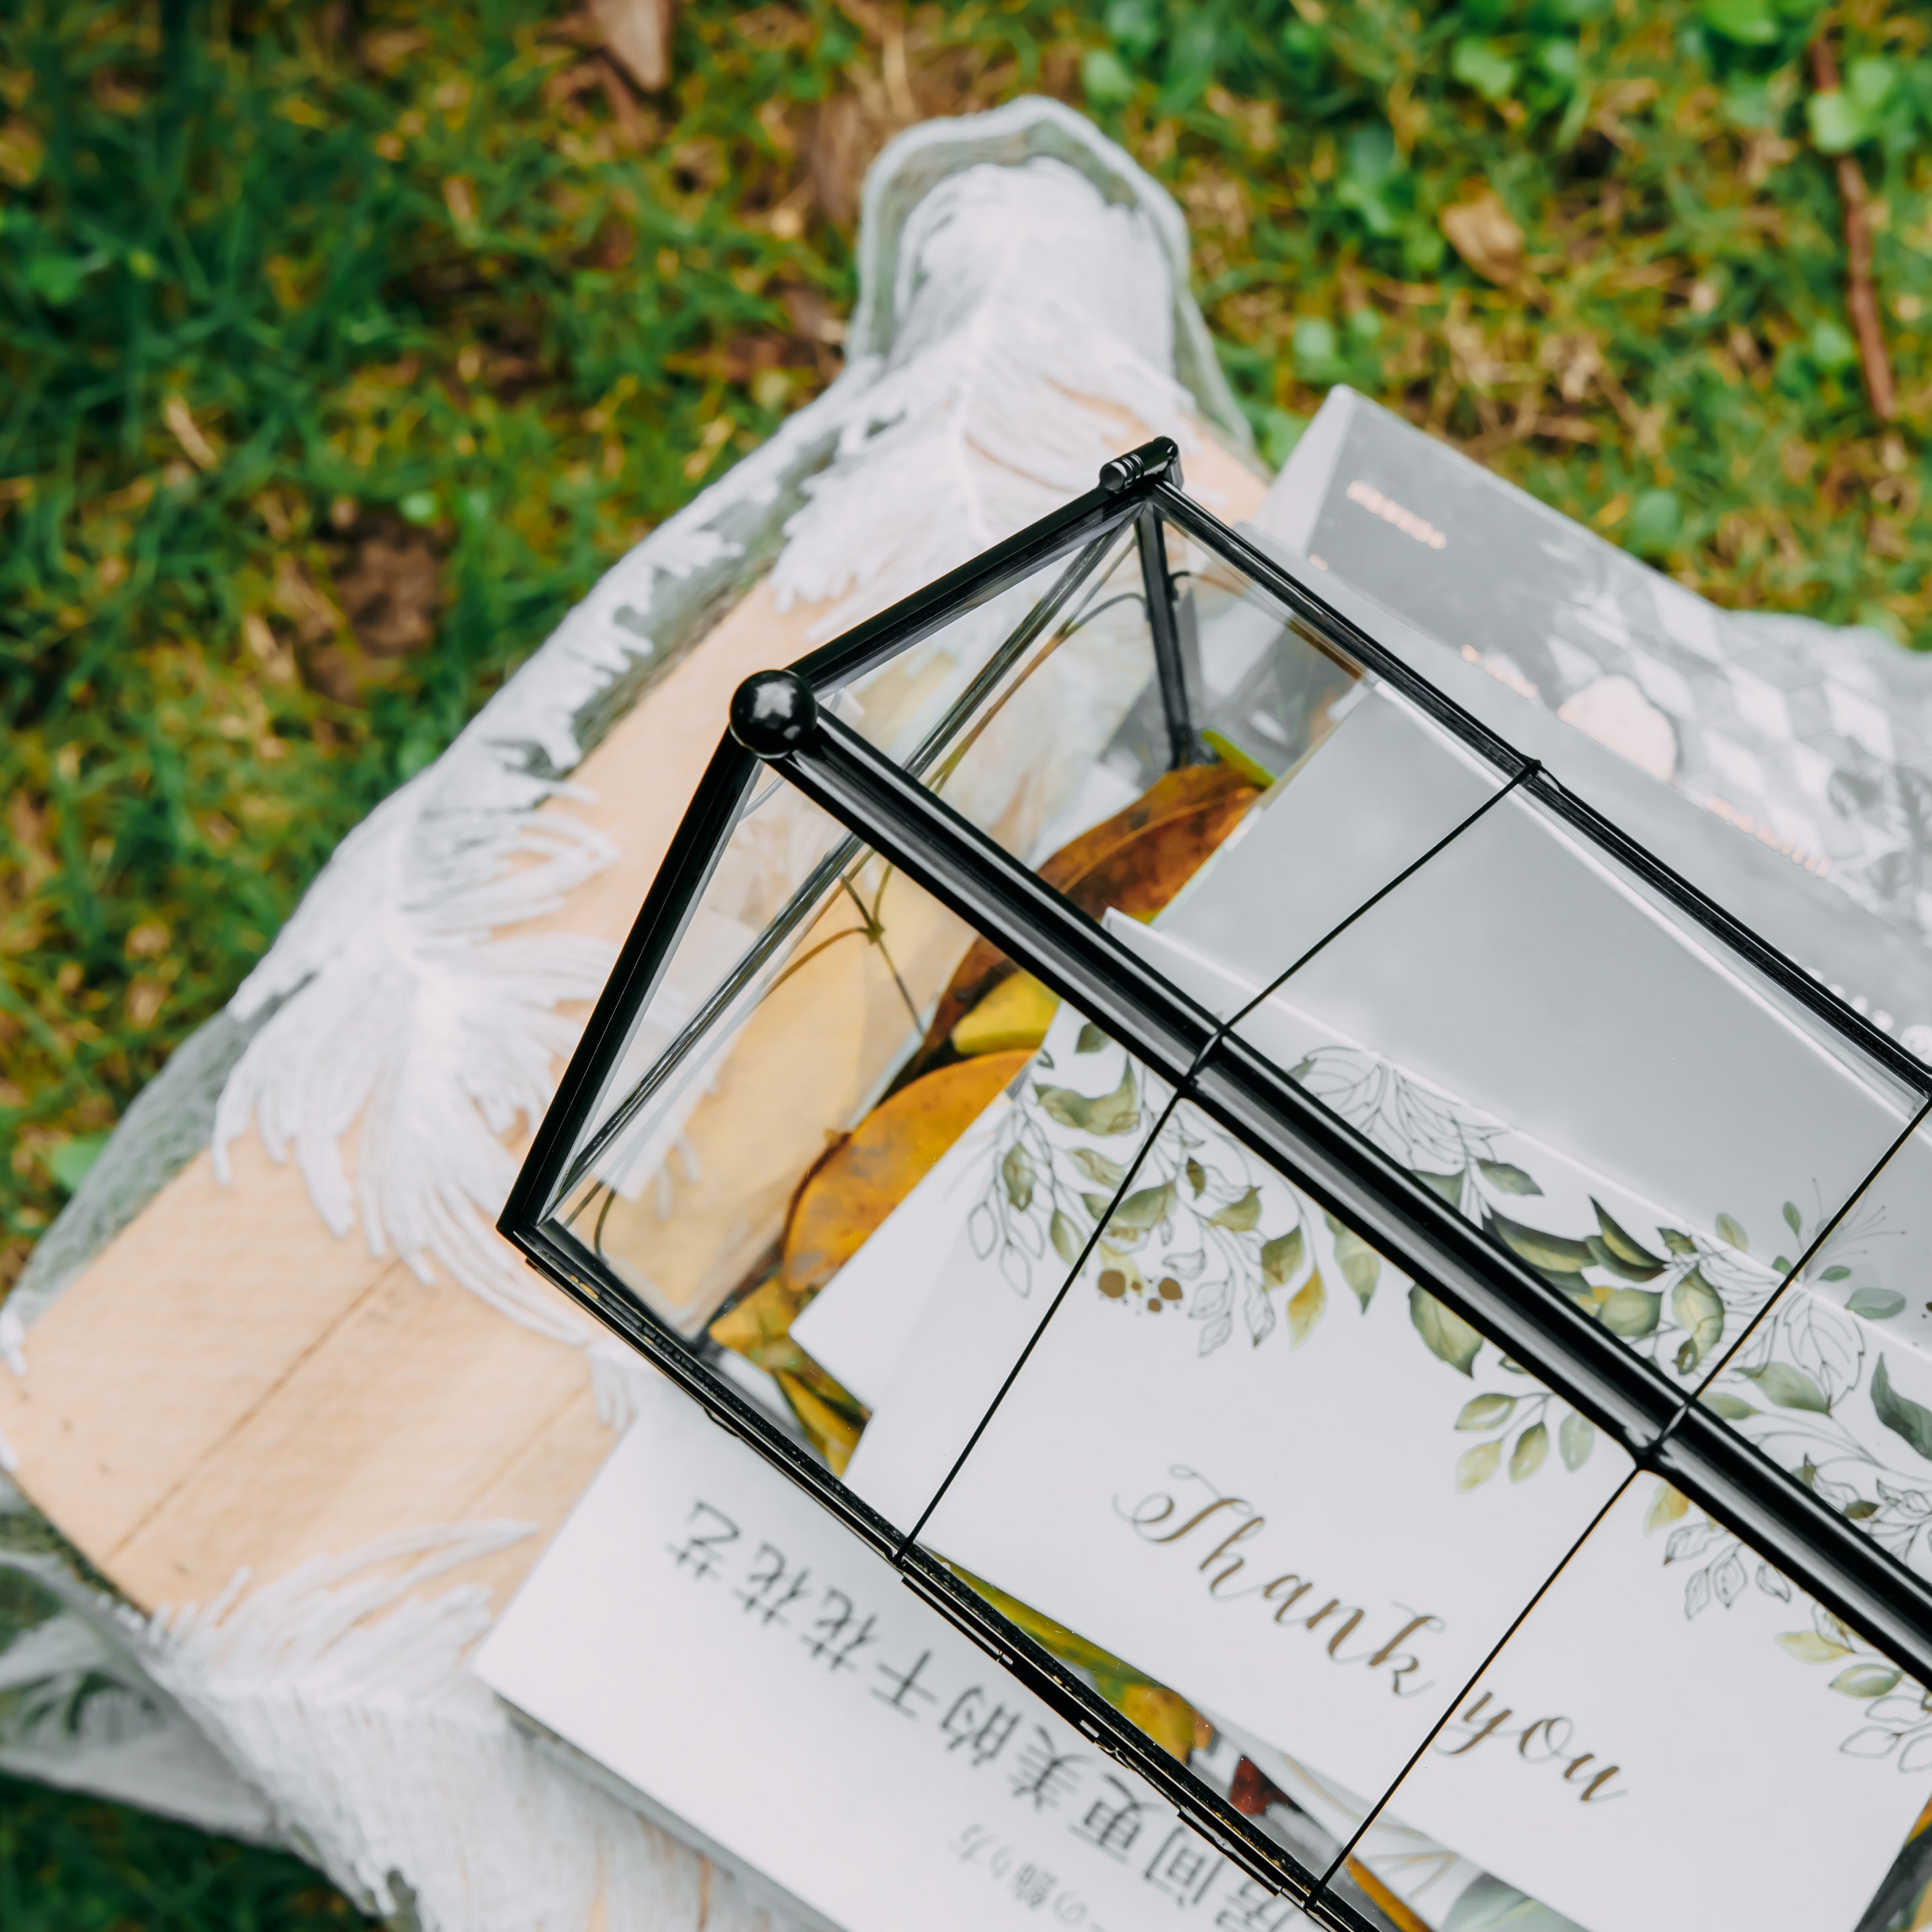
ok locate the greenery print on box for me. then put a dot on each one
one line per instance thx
(1191, 1235)
(1187, 1230)
(1813, 1390)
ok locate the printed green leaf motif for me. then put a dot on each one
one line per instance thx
(1506, 1178)
(1526, 1458)
(1066, 1238)
(1861, 1509)
(1361, 1267)
(1017, 1171)
(1449, 1185)
(1096, 1166)
(1791, 1387)
(1146, 1208)
(1900, 1414)
(1091, 1040)
(1732, 1409)
(1808, 1647)
(1631, 1311)
(1866, 1680)
(1579, 1290)
(1553, 1252)
(1606, 1256)
(1306, 1307)
(1096, 1204)
(1875, 1304)
(1677, 1241)
(1666, 1506)
(1793, 1219)
(1728, 1230)
(1197, 1177)
(1575, 1439)
(1476, 1466)
(1627, 1249)
(1447, 1335)
(1239, 1215)
(1281, 1258)
(1695, 1304)
(1484, 1411)
(1118, 1112)
(1844, 1274)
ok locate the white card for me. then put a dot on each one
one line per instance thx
(1303, 1519)
(1232, 1458)
(710, 1635)
(1641, 1770)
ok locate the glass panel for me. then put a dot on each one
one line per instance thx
(1007, 711)
(790, 1189)
(687, 1197)
(1302, 1499)
(1676, 1738)
(1762, 745)
(1613, 1096)
(1051, 738)
(1367, 788)
(1834, 1382)
(782, 852)
(974, 1259)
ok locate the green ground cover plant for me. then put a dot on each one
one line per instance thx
(76, 1864)
(342, 345)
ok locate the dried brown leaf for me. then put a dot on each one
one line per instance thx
(1483, 232)
(638, 33)
(871, 1172)
(1136, 861)
(187, 432)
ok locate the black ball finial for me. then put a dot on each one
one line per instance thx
(772, 712)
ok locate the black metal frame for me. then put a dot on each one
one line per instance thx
(777, 719)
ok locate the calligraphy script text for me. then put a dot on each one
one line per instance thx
(1223, 1528)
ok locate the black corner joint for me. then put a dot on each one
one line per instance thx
(773, 712)
(1151, 462)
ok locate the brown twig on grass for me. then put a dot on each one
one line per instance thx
(1861, 296)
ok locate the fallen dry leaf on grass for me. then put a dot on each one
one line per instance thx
(1483, 231)
(637, 32)
(187, 432)
(297, 597)
(837, 152)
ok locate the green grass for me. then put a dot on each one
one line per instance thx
(71, 1864)
(300, 301)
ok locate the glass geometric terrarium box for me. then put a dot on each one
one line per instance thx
(1349, 1278)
